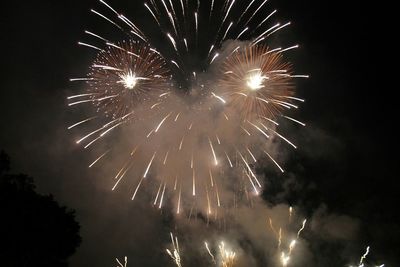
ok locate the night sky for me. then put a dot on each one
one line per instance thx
(344, 169)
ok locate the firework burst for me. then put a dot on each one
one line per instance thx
(362, 259)
(285, 253)
(175, 254)
(256, 82)
(225, 257)
(124, 75)
(186, 144)
(228, 257)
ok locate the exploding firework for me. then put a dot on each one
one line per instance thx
(222, 124)
(175, 254)
(227, 256)
(257, 83)
(126, 74)
(285, 253)
(224, 258)
(362, 259)
(122, 76)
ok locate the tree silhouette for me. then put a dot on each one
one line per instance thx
(34, 229)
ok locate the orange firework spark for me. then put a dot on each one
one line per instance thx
(257, 82)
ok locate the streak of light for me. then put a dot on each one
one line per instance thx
(148, 166)
(302, 228)
(162, 196)
(162, 121)
(213, 152)
(96, 160)
(137, 188)
(296, 121)
(274, 161)
(218, 97)
(79, 123)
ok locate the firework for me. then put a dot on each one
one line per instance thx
(362, 259)
(175, 254)
(184, 144)
(124, 264)
(257, 83)
(122, 76)
(285, 255)
(226, 257)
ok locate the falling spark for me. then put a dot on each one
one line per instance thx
(291, 246)
(296, 121)
(219, 98)
(197, 23)
(209, 252)
(255, 12)
(177, 116)
(172, 41)
(289, 48)
(279, 28)
(176, 182)
(249, 169)
(179, 201)
(181, 143)
(209, 51)
(101, 156)
(162, 196)
(213, 152)
(208, 202)
(227, 30)
(104, 17)
(229, 160)
(125, 264)
(162, 121)
(194, 183)
(158, 193)
(214, 57)
(262, 22)
(165, 158)
(302, 228)
(274, 161)
(211, 178)
(227, 13)
(228, 258)
(364, 255)
(251, 154)
(79, 123)
(284, 138)
(154, 16)
(217, 192)
(148, 166)
(245, 11)
(240, 34)
(175, 254)
(137, 188)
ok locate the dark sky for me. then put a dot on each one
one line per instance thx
(348, 161)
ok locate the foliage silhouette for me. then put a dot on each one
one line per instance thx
(34, 229)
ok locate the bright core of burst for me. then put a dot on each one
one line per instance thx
(129, 80)
(255, 80)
